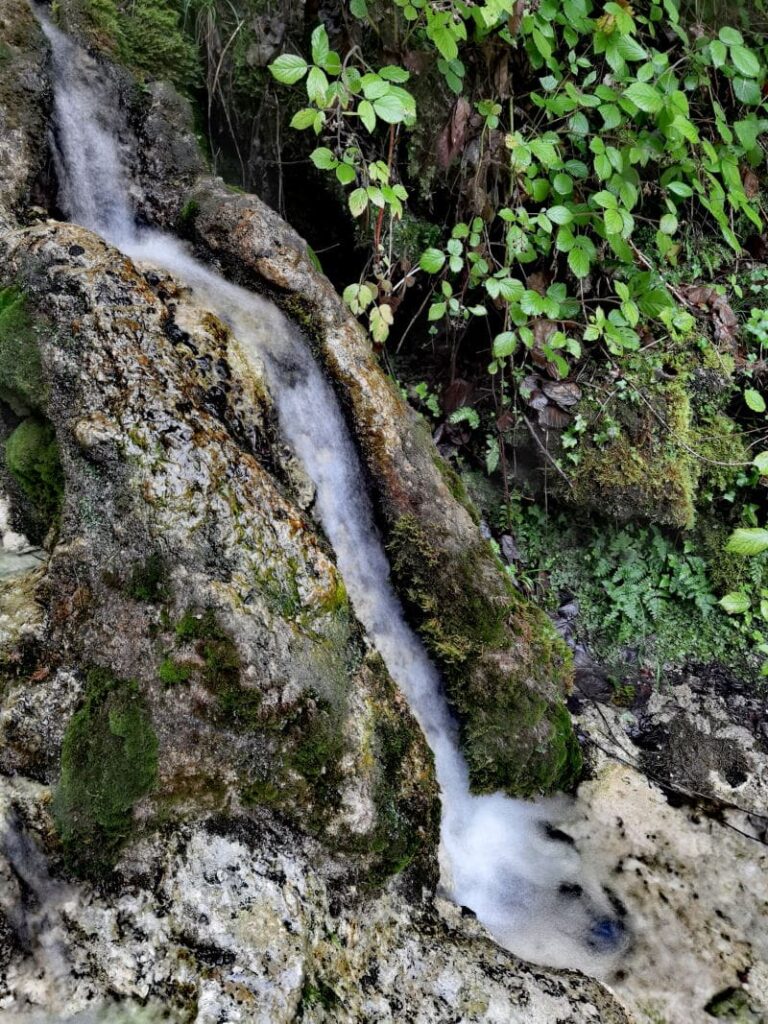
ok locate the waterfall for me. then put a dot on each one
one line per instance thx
(497, 854)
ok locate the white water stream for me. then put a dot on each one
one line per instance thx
(528, 889)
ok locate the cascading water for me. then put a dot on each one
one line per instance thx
(498, 857)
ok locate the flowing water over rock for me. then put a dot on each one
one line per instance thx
(499, 857)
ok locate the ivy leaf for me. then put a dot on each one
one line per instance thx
(432, 261)
(754, 400)
(735, 603)
(748, 541)
(645, 97)
(289, 68)
(358, 201)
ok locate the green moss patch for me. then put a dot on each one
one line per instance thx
(504, 667)
(21, 375)
(237, 706)
(108, 762)
(145, 35)
(32, 458)
(148, 580)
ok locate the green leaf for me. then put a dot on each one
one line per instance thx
(317, 85)
(748, 541)
(645, 97)
(761, 461)
(579, 262)
(323, 159)
(731, 36)
(735, 603)
(747, 91)
(504, 344)
(614, 222)
(718, 52)
(320, 45)
(745, 60)
(304, 118)
(288, 68)
(679, 188)
(668, 224)
(443, 39)
(358, 8)
(393, 73)
(432, 261)
(754, 400)
(367, 115)
(436, 311)
(560, 215)
(345, 174)
(390, 109)
(358, 201)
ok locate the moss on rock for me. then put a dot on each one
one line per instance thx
(145, 35)
(32, 459)
(505, 668)
(21, 375)
(108, 762)
(645, 466)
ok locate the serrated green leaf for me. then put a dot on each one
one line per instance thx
(754, 400)
(645, 97)
(304, 118)
(317, 85)
(735, 603)
(367, 114)
(746, 90)
(289, 68)
(432, 261)
(390, 109)
(746, 61)
(579, 262)
(323, 159)
(748, 541)
(504, 344)
(345, 174)
(393, 73)
(358, 201)
(320, 44)
(560, 215)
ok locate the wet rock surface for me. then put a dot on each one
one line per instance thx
(674, 818)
